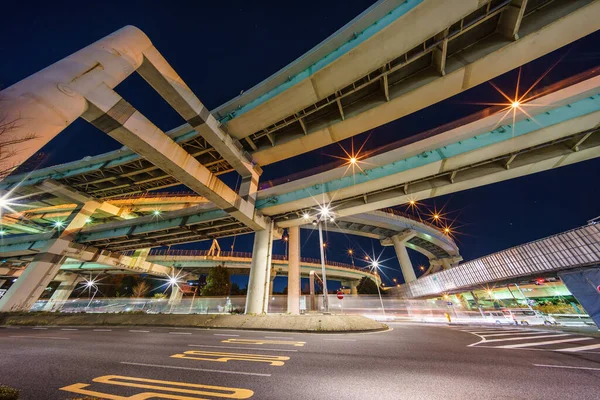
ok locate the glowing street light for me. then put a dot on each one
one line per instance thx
(324, 211)
(156, 213)
(375, 267)
(515, 104)
(59, 224)
(422, 268)
(353, 160)
(88, 220)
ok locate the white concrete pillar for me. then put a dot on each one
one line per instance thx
(293, 300)
(270, 270)
(259, 271)
(176, 296)
(446, 263)
(354, 288)
(405, 265)
(62, 292)
(45, 265)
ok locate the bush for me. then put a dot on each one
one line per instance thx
(8, 393)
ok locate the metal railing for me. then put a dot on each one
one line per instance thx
(243, 254)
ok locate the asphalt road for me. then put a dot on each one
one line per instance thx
(409, 362)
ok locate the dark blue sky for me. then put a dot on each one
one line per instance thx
(224, 47)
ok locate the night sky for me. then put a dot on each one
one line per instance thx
(229, 46)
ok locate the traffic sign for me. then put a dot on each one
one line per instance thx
(598, 288)
(340, 295)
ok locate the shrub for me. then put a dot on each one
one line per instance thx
(8, 393)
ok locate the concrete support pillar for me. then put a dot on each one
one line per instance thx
(354, 288)
(446, 263)
(293, 300)
(62, 292)
(407, 269)
(45, 265)
(272, 279)
(260, 269)
(176, 296)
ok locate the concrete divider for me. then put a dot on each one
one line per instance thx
(290, 323)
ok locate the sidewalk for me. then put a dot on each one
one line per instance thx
(278, 322)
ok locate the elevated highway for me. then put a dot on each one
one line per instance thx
(394, 59)
(195, 262)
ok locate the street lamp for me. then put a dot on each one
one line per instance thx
(324, 216)
(286, 239)
(375, 267)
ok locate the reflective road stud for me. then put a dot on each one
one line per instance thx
(260, 341)
(191, 391)
(276, 361)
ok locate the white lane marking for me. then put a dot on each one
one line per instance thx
(342, 340)
(512, 334)
(41, 337)
(581, 348)
(525, 338)
(241, 348)
(102, 330)
(137, 331)
(279, 337)
(566, 366)
(223, 334)
(487, 333)
(42, 329)
(516, 346)
(69, 329)
(194, 369)
(180, 333)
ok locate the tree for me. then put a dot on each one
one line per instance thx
(141, 289)
(217, 282)
(367, 286)
(235, 289)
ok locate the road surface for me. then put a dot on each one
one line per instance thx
(411, 361)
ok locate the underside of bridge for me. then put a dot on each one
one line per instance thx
(395, 58)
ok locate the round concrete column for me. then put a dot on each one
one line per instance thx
(407, 269)
(293, 299)
(259, 272)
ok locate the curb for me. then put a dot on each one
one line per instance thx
(382, 329)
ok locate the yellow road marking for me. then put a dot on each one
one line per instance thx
(276, 361)
(173, 387)
(262, 341)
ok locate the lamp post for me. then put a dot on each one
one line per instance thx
(375, 266)
(324, 215)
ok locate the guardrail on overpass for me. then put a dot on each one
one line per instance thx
(572, 249)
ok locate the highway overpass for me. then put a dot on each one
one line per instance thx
(397, 57)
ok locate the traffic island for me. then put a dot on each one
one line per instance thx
(272, 322)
